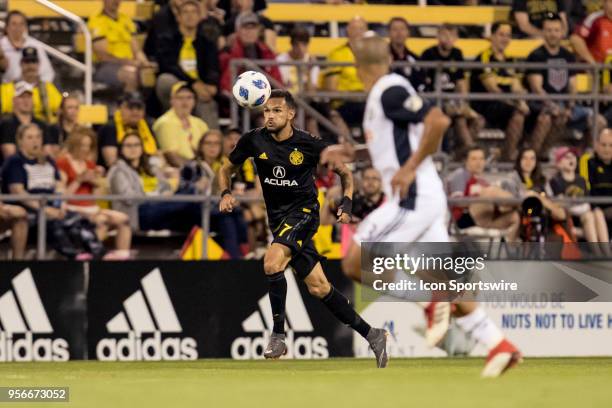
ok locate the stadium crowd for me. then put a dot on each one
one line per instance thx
(164, 136)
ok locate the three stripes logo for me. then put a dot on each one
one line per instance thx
(297, 321)
(147, 311)
(25, 323)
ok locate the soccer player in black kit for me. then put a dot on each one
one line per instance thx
(286, 160)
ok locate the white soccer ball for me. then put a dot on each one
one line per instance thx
(251, 89)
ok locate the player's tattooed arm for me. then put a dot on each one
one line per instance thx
(228, 202)
(345, 209)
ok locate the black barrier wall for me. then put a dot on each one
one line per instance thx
(158, 311)
(42, 311)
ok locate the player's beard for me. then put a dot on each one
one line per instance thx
(276, 129)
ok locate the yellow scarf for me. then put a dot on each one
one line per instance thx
(148, 141)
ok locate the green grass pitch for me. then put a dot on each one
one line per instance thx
(338, 383)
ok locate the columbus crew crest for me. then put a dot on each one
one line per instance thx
(296, 157)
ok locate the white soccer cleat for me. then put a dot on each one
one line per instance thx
(437, 315)
(504, 356)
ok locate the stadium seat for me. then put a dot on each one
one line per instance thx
(138, 10)
(416, 15)
(78, 41)
(93, 114)
(322, 46)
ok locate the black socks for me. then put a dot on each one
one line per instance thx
(278, 294)
(341, 307)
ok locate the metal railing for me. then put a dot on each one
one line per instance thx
(208, 201)
(438, 94)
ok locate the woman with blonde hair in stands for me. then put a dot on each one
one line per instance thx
(67, 121)
(81, 176)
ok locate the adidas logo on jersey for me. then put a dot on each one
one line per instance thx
(27, 309)
(298, 321)
(162, 320)
(263, 156)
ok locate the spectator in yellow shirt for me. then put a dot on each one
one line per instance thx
(117, 53)
(178, 131)
(344, 78)
(45, 96)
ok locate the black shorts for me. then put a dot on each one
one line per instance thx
(496, 113)
(295, 231)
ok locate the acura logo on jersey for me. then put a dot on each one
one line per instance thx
(278, 172)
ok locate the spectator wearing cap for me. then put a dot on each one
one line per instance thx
(130, 117)
(23, 114)
(246, 45)
(12, 44)
(566, 183)
(300, 38)
(266, 28)
(530, 15)
(117, 54)
(189, 55)
(46, 97)
(178, 132)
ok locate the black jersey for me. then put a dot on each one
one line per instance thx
(286, 169)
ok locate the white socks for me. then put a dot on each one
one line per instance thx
(480, 326)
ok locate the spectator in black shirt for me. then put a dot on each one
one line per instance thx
(164, 21)
(31, 171)
(466, 121)
(23, 113)
(530, 14)
(130, 117)
(566, 183)
(597, 170)
(500, 113)
(198, 66)
(399, 31)
(556, 80)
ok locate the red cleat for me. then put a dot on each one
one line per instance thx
(501, 358)
(437, 315)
